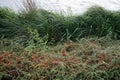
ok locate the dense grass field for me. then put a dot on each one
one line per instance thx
(36, 44)
(87, 59)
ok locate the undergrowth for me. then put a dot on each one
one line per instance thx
(87, 59)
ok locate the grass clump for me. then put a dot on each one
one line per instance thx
(95, 22)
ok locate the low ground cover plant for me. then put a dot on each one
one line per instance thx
(87, 59)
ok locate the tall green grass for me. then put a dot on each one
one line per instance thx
(97, 22)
